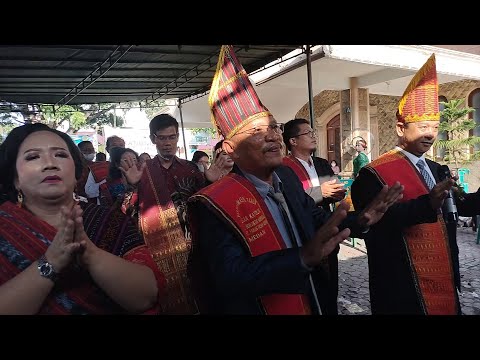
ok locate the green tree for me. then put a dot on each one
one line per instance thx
(209, 131)
(154, 108)
(10, 117)
(456, 125)
(55, 118)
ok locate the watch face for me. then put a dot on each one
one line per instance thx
(45, 269)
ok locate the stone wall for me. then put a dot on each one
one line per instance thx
(386, 107)
(386, 120)
(458, 89)
(321, 102)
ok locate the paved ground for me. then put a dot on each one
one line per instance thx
(353, 296)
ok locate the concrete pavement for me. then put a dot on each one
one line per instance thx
(353, 294)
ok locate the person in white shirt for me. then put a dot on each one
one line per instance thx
(99, 170)
(322, 185)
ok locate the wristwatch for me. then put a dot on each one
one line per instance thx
(46, 269)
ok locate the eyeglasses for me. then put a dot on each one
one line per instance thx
(166, 137)
(311, 133)
(263, 129)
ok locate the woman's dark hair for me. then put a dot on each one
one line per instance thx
(218, 145)
(9, 152)
(144, 153)
(115, 155)
(335, 161)
(197, 155)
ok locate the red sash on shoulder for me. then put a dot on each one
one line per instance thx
(99, 170)
(427, 244)
(293, 163)
(16, 225)
(246, 211)
(166, 240)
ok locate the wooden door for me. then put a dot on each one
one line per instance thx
(333, 140)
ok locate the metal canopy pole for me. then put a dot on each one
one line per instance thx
(183, 129)
(96, 74)
(309, 79)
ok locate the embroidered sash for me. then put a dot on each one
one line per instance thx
(100, 171)
(298, 168)
(427, 244)
(166, 240)
(246, 212)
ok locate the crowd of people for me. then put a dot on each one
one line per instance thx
(252, 230)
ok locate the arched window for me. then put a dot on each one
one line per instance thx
(442, 135)
(474, 102)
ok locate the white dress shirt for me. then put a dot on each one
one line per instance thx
(312, 173)
(92, 188)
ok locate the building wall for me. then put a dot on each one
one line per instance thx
(321, 102)
(458, 89)
(386, 107)
(383, 108)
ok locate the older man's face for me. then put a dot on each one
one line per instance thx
(258, 146)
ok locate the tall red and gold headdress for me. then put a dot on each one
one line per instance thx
(420, 99)
(233, 101)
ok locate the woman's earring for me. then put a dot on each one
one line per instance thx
(76, 197)
(19, 198)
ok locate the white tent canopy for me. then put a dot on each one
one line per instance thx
(383, 69)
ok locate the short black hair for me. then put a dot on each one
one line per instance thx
(115, 155)
(81, 144)
(161, 122)
(9, 152)
(100, 156)
(197, 155)
(291, 129)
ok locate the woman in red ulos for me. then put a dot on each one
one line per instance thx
(59, 255)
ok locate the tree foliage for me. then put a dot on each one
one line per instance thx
(155, 108)
(57, 117)
(209, 131)
(76, 116)
(457, 127)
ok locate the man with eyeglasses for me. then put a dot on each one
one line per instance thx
(164, 184)
(254, 245)
(322, 185)
(412, 252)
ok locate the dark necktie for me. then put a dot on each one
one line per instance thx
(428, 179)
(282, 206)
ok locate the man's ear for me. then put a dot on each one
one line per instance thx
(229, 147)
(152, 139)
(400, 128)
(292, 141)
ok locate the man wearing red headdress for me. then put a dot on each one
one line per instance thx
(255, 248)
(412, 252)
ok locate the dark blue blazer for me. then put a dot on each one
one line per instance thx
(392, 286)
(227, 280)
